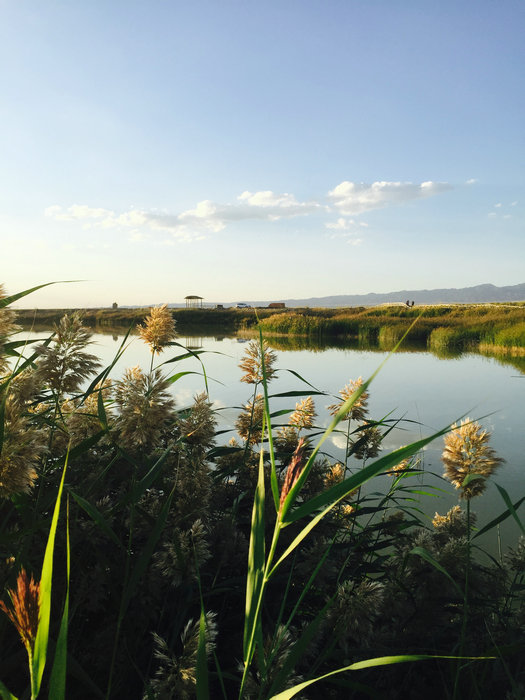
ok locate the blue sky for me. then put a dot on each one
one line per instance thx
(246, 151)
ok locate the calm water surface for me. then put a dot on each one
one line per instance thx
(427, 393)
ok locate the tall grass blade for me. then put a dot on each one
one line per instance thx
(15, 297)
(255, 575)
(190, 353)
(175, 377)
(106, 371)
(57, 682)
(425, 554)
(335, 493)
(286, 394)
(5, 694)
(97, 517)
(506, 514)
(296, 374)
(203, 691)
(371, 663)
(299, 648)
(510, 506)
(42, 635)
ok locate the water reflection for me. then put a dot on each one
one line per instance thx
(424, 391)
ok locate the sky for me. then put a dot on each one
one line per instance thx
(242, 150)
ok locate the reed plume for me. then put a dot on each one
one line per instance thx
(304, 414)
(145, 406)
(64, 365)
(252, 363)
(22, 447)
(293, 471)
(249, 422)
(158, 329)
(359, 411)
(24, 609)
(468, 458)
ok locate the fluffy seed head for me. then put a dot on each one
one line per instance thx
(334, 476)
(359, 410)
(468, 454)
(65, 365)
(369, 443)
(145, 407)
(252, 362)
(24, 609)
(158, 329)
(23, 446)
(293, 471)
(304, 414)
(249, 422)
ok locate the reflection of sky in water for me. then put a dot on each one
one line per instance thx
(426, 392)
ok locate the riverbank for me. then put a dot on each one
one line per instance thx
(496, 328)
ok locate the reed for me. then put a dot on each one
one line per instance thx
(188, 555)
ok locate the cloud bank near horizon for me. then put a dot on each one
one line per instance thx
(208, 217)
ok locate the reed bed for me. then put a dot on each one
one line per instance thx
(145, 554)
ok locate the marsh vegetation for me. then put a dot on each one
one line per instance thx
(187, 565)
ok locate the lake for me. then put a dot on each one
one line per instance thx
(427, 393)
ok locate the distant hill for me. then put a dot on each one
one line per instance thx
(467, 295)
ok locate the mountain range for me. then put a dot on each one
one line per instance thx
(481, 293)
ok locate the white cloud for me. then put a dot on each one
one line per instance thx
(471, 181)
(345, 224)
(76, 212)
(355, 198)
(513, 204)
(498, 205)
(208, 217)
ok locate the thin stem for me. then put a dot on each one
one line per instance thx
(465, 605)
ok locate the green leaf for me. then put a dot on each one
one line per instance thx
(425, 554)
(510, 506)
(254, 578)
(105, 372)
(57, 682)
(101, 410)
(175, 377)
(97, 517)
(5, 694)
(14, 297)
(506, 514)
(203, 692)
(42, 635)
(150, 477)
(371, 663)
(286, 394)
(296, 374)
(302, 534)
(335, 493)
